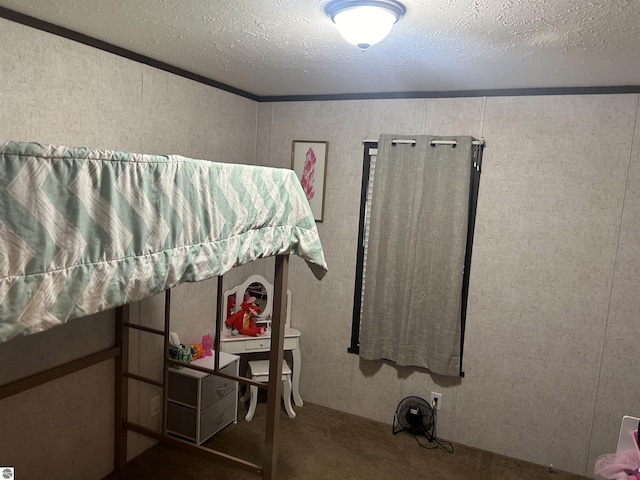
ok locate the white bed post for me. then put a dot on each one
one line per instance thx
(274, 391)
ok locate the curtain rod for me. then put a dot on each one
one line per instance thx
(433, 142)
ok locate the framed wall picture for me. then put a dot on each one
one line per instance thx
(309, 161)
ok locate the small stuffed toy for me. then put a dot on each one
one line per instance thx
(207, 345)
(197, 351)
(242, 322)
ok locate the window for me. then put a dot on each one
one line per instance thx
(369, 163)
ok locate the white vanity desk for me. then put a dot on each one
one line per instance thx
(245, 344)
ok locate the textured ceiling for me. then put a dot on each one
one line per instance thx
(290, 47)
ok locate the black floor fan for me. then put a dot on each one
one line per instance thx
(416, 416)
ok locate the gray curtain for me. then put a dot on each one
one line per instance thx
(412, 302)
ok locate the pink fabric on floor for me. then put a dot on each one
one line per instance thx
(620, 466)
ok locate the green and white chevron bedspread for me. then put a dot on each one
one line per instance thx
(85, 230)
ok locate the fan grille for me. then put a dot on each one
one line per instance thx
(415, 415)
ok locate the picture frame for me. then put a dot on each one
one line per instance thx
(309, 162)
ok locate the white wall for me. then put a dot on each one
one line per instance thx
(61, 92)
(552, 320)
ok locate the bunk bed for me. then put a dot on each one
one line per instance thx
(85, 230)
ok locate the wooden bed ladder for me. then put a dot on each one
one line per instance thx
(274, 390)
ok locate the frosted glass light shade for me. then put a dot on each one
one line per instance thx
(364, 23)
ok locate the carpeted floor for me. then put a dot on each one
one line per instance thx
(322, 444)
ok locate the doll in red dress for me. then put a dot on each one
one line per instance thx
(242, 322)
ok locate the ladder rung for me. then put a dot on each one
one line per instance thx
(143, 328)
(144, 379)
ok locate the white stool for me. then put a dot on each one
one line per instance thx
(259, 371)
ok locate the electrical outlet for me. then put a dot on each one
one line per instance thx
(436, 400)
(155, 406)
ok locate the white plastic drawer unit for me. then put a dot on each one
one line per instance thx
(184, 421)
(212, 387)
(201, 404)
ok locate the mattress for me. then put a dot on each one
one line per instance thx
(85, 230)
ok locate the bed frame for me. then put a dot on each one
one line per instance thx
(120, 352)
(220, 229)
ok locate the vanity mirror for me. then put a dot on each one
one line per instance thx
(257, 287)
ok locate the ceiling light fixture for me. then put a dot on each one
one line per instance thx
(364, 23)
